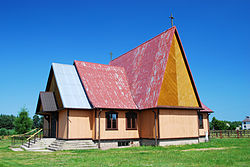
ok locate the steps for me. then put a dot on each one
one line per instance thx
(39, 145)
(72, 145)
(56, 145)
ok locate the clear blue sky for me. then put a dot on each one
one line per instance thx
(215, 36)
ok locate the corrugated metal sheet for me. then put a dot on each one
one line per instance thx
(106, 86)
(70, 87)
(145, 67)
(206, 109)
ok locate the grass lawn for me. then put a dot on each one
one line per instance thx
(237, 153)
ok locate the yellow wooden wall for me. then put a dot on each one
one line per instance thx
(177, 89)
(53, 88)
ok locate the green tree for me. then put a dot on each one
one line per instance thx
(218, 125)
(36, 121)
(41, 122)
(7, 121)
(23, 123)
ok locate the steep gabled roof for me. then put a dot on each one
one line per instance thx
(69, 85)
(47, 102)
(145, 67)
(106, 86)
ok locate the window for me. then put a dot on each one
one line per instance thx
(131, 120)
(123, 143)
(112, 122)
(200, 121)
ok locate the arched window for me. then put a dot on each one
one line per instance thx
(112, 120)
(131, 118)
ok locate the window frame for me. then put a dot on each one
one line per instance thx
(131, 118)
(200, 119)
(106, 117)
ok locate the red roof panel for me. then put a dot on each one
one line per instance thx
(145, 66)
(206, 109)
(106, 86)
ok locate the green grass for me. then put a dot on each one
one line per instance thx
(236, 154)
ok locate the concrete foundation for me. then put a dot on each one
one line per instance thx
(166, 142)
(107, 144)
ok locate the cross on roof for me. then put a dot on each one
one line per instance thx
(172, 18)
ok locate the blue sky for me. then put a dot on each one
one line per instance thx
(215, 36)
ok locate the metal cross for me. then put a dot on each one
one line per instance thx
(172, 18)
(111, 56)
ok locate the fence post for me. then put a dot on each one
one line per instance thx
(238, 134)
(221, 134)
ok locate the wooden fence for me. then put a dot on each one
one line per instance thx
(229, 133)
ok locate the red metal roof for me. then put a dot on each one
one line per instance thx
(206, 109)
(145, 66)
(106, 86)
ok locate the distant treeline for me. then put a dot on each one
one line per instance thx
(216, 124)
(10, 124)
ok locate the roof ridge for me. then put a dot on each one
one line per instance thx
(98, 64)
(174, 27)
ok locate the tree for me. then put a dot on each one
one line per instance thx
(41, 122)
(36, 121)
(23, 123)
(7, 121)
(218, 125)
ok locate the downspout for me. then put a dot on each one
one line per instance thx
(155, 129)
(99, 127)
(158, 111)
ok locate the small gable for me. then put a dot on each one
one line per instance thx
(66, 85)
(52, 87)
(46, 102)
(177, 88)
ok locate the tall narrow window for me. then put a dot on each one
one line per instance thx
(200, 121)
(112, 120)
(131, 120)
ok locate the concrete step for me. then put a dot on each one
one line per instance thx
(72, 145)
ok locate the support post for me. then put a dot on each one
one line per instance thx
(99, 127)
(156, 143)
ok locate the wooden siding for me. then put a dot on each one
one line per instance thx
(121, 133)
(53, 88)
(62, 118)
(202, 132)
(80, 124)
(178, 123)
(177, 89)
(147, 124)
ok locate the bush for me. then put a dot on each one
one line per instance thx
(3, 132)
(7, 121)
(7, 132)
